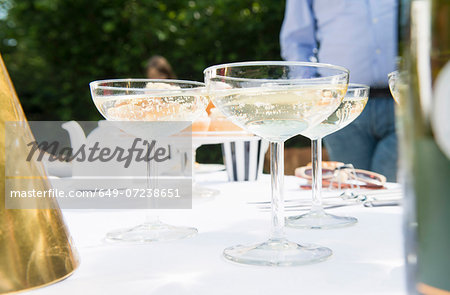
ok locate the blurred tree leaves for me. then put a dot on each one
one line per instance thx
(54, 48)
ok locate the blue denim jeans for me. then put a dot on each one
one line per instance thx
(370, 142)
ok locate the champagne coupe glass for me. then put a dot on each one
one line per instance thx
(351, 107)
(176, 101)
(276, 100)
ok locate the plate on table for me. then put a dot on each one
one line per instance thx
(208, 168)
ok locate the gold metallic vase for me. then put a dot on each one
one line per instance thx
(35, 246)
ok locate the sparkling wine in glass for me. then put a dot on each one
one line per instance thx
(276, 101)
(350, 108)
(171, 106)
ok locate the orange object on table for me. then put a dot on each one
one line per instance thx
(220, 123)
(209, 107)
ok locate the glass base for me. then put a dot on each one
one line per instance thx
(319, 220)
(151, 232)
(199, 191)
(277, 253)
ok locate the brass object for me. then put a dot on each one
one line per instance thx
(35, 246)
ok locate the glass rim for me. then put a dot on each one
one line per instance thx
(393, 73)
(96, 84)
(276, 63)
(357, 86)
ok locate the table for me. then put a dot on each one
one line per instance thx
(367, 258)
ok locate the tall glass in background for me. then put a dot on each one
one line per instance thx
(351, 107)
(423, 116)
(276, 101)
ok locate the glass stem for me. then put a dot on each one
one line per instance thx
(316, 188)
(150, 184)
(277, 178)
(194, 156)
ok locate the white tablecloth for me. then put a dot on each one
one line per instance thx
(367, 258)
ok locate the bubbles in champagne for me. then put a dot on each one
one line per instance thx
(348, 110)
(173, 110)
(278, 113)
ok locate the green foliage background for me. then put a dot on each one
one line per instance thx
(54, 48)
(59, 46)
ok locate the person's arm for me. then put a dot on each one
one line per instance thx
(297, 36)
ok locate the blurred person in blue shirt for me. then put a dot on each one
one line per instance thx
(360, 35)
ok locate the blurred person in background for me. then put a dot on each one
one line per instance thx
(159, 68)
(360, 35)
